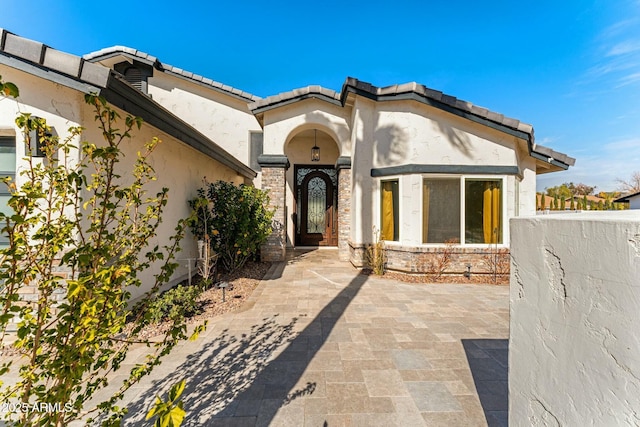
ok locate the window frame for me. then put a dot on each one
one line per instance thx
(5, 140)
(390, 178)
(462, 231)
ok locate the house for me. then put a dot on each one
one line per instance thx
(414, 166)
(633, 199)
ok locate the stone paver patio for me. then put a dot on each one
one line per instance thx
(322, 345)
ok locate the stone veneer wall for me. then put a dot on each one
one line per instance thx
(574, 355)
(273, 180)
(344, 212)
(417, 259)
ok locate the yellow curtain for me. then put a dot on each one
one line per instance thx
(425, 212)
(387, 211)
(491, 212)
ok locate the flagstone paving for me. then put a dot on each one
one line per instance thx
(322, 345)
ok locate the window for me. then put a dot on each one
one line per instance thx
(389, 211)
(7, 168)
(440, 210)
(449, 202)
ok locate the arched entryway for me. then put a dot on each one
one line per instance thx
(316, 205)
(312, 184)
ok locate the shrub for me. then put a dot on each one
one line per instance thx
(235, 219)
(375, 254)
(498, 263)
(439, 262)
(174, 303)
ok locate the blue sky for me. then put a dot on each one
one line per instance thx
(570, 68)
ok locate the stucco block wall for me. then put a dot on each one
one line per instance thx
(575, 316)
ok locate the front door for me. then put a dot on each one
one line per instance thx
(317, 210)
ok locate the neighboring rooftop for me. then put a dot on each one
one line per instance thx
(115, 51)
(627, 197)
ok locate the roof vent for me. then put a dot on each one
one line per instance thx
(134, 76)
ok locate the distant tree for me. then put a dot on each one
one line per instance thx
(585, 202)
(600, 205)
(543, 202)
(582, 189)
(631, 185)
(563, 203)
(572, 206)
(559, 191)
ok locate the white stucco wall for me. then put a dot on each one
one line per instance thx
(59, 105)
(282, 124)
(178, 167)
(399, 133)
(410, 132)
(574, 355)
(224, 119)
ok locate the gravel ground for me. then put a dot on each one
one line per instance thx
(241, 285)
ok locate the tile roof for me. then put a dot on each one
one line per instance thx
(422, 94)
(169, 69)
(384, 93)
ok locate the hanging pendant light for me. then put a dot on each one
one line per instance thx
(315, 151)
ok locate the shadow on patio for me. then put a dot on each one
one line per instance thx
(241, 377)
(489, 364)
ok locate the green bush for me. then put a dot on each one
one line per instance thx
(95, 220)
(181, 301)
(235, 219)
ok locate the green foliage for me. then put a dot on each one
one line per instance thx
(235, 219)
(543, 202)
(181, 301)
(8, 89)
(75, 213)
(170, 413)
(560, 191)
